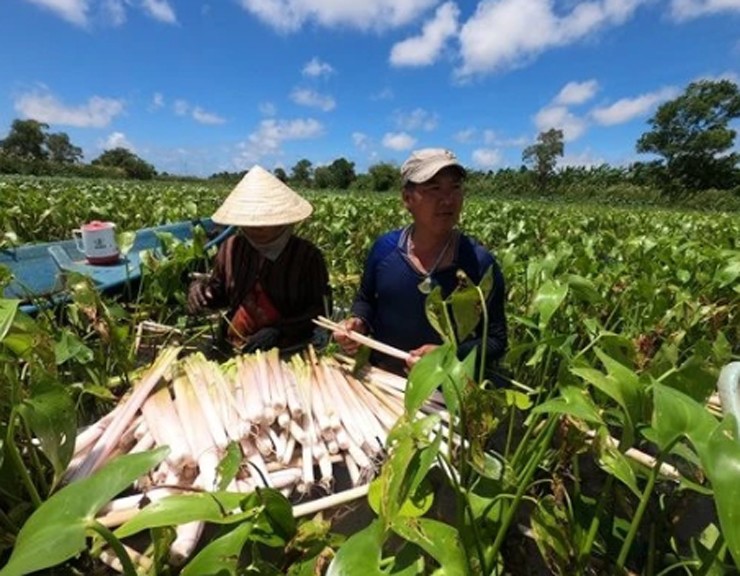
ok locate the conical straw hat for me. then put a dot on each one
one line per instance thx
(261, 199)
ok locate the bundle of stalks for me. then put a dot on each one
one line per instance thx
(304, 425)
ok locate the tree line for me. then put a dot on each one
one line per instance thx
(691, 138)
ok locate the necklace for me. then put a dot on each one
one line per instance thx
(426, 285)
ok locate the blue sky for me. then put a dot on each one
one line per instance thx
(200, 87)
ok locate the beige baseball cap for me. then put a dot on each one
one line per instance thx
(262, 199)
(423, 164)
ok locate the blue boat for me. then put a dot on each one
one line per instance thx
(39, 269)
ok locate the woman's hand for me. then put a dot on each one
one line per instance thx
(415, 355)
(341, 335)
(199, 297)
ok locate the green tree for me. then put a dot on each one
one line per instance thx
(280, 174)
(26, 140)
(543, 155)
(384, 177)
(130, 163)
(301, 173)
(692, 135)
(341, 173)
(62, 150)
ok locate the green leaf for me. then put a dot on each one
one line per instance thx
(426, 376)
(675, 415)
(617, 464)
(215, 507)
(441, 541)
(56, 531)
(52, 418)
(436, 313)
(71, 347)
(547, 300)
(221, 555)
(360, 554)
(8, 308)
(722, 463)
(229, 465)
(573, 401)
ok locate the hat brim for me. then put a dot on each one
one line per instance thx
(429, 170)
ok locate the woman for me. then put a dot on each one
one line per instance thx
(272, 282)
(405, 265)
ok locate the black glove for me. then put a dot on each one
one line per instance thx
(263, 339)
(199, 297)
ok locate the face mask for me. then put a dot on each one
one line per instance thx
(272, 250)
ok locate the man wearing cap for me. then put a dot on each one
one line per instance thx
(272, 282)
(404, 265)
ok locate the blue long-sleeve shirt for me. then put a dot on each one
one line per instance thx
(392, 305)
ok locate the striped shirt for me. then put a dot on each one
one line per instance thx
(297, 283)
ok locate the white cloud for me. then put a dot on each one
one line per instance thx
(384, 94)
(360, 140)
(398, 141)
(425, 49)
(417, 119)
(113, 11)
(315, 68)
(560, 118)
(267, 109)
(574, 93)
(44, 107)
(157, 101)
(291, 15)
(181, 107)
(465, 136)
(312, 99)
(117, 140)
(628, 109)
(504, 34)
(268, 139)
(160, 10)
(487, 158)
(204, 117)
(585, 159)
(689, 9)
(74, 11)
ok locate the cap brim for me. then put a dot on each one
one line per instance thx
(430, 170)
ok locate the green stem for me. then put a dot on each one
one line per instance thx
(593, 529)
(484, 338)
(523, 484)
(718, 548)
(15, 456)
(641, 507)
(115, 543)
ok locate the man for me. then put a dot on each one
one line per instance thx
(404, 265)
(272, 283)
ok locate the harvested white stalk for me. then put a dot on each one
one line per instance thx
(283, 419)
(86, 438)
(289, 448)
(107, 441)
(352, 470)
(222, 396)
(198, 383)
(166, 427)
(186, 539)
(255, 405)
(111, 559)
(363, 339)
(297, 432)
(367, 425)
(257, 469)
(666, 470)
(330, 501)
(146, 442)
(261, 376)
(279, 399)
(263, 441)
(291, 392)
(278, 441)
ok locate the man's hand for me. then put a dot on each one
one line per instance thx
(199, 297)
(264, 339)
(342, 338)
(415, 355)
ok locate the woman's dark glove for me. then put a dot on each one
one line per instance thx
(199, 297)
(263, 339)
